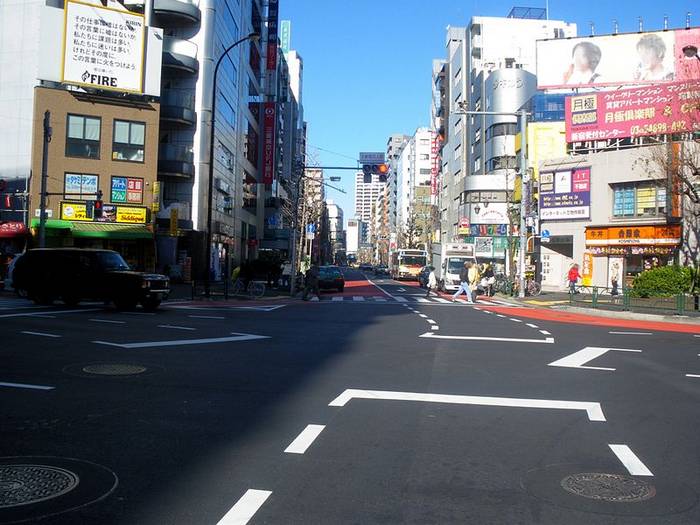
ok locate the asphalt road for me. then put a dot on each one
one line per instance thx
(371, 406)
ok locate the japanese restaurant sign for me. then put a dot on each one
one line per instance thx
(636, 112)
(103, 47)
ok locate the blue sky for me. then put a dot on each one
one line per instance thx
(367, 63)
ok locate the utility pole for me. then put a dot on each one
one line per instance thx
(44, 178)
(524, 199)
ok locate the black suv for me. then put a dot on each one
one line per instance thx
(74, 275)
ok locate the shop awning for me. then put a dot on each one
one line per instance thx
(108, 230)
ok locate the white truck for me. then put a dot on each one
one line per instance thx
(448, 260)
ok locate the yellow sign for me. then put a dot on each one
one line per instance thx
(74, 211)
(173, 221)
(155, 206)
(131, 215)
(587, 271)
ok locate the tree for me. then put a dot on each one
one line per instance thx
(410, 235)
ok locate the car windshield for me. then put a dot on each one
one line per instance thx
(112, 261)
(412, 260)
(455, 265)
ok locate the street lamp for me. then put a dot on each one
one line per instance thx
(253, 37)
(525, 174)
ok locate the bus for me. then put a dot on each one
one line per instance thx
(406, 264)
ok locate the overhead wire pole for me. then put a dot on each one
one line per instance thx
(524, 193)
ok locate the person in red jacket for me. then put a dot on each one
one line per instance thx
(573, 278)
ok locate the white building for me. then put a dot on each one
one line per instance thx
(366, 194)
(353, 236)
(414, 170)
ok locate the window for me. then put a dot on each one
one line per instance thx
(639, 200)
(500, 163)
(498, 130)
(424, 156)
(129, 140)
(83, 137)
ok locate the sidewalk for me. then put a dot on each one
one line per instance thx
(653, 309)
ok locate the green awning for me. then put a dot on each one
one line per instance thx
(54, 224)
(108, 230)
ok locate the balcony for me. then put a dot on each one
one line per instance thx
(175, 160)
(180, 55)
(177, 108)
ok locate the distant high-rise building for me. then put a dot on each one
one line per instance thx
(366, 194)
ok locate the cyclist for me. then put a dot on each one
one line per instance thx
(573, 277)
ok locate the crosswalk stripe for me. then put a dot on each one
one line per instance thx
(400, 299)
(358, 298)
(380, 299)
(336, 298)
(441, 300)
(422, 300)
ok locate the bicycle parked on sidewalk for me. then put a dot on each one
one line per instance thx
(506, 286)
(255, 289)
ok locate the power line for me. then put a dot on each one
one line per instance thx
(332, 152)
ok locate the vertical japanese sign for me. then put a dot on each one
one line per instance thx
(434, 164)
(103, 47)
(268, 142)
(272, 16)
(285, 35)
(587, 270)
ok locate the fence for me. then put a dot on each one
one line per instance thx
(602, 297)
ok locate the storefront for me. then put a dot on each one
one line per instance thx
(628, 250)
(13, 240)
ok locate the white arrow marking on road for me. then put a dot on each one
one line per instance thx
(42, 334)
(435, 327)
(24, 385)
(303, 441)
(594, 411)
(401, 289)
(245, 508)
(179, 342)
(577, 359)
(630, 460)
(548, 340)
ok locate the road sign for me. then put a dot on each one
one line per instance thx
(371, 157)
(311, 228)
(544, 236)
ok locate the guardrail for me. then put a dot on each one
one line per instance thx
(624, 300)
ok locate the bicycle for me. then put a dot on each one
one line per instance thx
(255, 289)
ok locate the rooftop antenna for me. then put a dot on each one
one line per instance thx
(592, 28)
(616, 27)
(687, 20)
(641, 24)
(665, 22)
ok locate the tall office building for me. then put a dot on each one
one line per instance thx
(366, 194)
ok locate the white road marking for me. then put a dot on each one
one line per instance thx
(138, 313)
(400, 299)
(380, 288)
(173, 327)
(500, 315)
(487, 311)
(435, 327)
(431, 321)
(380, 299)
(440, 300)
(45, 316)
(358, 298)
(548, 340)
(532, 325)
(630, 460)
(631, 333)
(696, 335)
(692, 375)
(245, 508)
(516, 320)
(594, 410)
(303, 441)
(206, 316)
(422, 300)
(577, 359)
(180, 342)
(545, 332)
(477, 308)
(53, 312)
(401, 289)
(336, 298)
(24, 385)
(423, 316)
(106, 321)
(226, 308)
(42, 334)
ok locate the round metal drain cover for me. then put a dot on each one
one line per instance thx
(608, 487)
(25, 484)
(114, 369)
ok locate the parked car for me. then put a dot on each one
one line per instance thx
(365, 267)
(330, 277)
(423, 276)
(382, 269)
(74, 275)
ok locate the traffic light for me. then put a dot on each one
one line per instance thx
(98, 205)
(375, 169)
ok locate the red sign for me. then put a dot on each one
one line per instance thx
(12, 229)
(435, 164)
(268, 142)
(272, 19)
(635, 112)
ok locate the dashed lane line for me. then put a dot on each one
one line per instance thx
(430, 335)
(304, 440)
(631, 333)
(630, 460)
(245, 508)
(545, 332)
(174, 327)
(532, 325)
(516, 320)
(110, 321)
(692, 375)
(24, 385)
(40, 334)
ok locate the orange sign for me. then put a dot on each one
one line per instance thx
(587, 269)
(633, 235)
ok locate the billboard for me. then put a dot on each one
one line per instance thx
(103, 47)
(434, 166)
(565, 195)
(272, 24)
(268, 142)
(635, 112)
(613, 60)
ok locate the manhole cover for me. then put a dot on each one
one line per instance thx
(608, 487)
(26, 484)
(114, 369)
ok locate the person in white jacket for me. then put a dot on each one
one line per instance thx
(432, 283)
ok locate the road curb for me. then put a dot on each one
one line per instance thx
(635, 316)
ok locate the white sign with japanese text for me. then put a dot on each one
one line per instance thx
(103, 47)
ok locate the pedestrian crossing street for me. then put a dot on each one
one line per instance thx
(401, 299)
